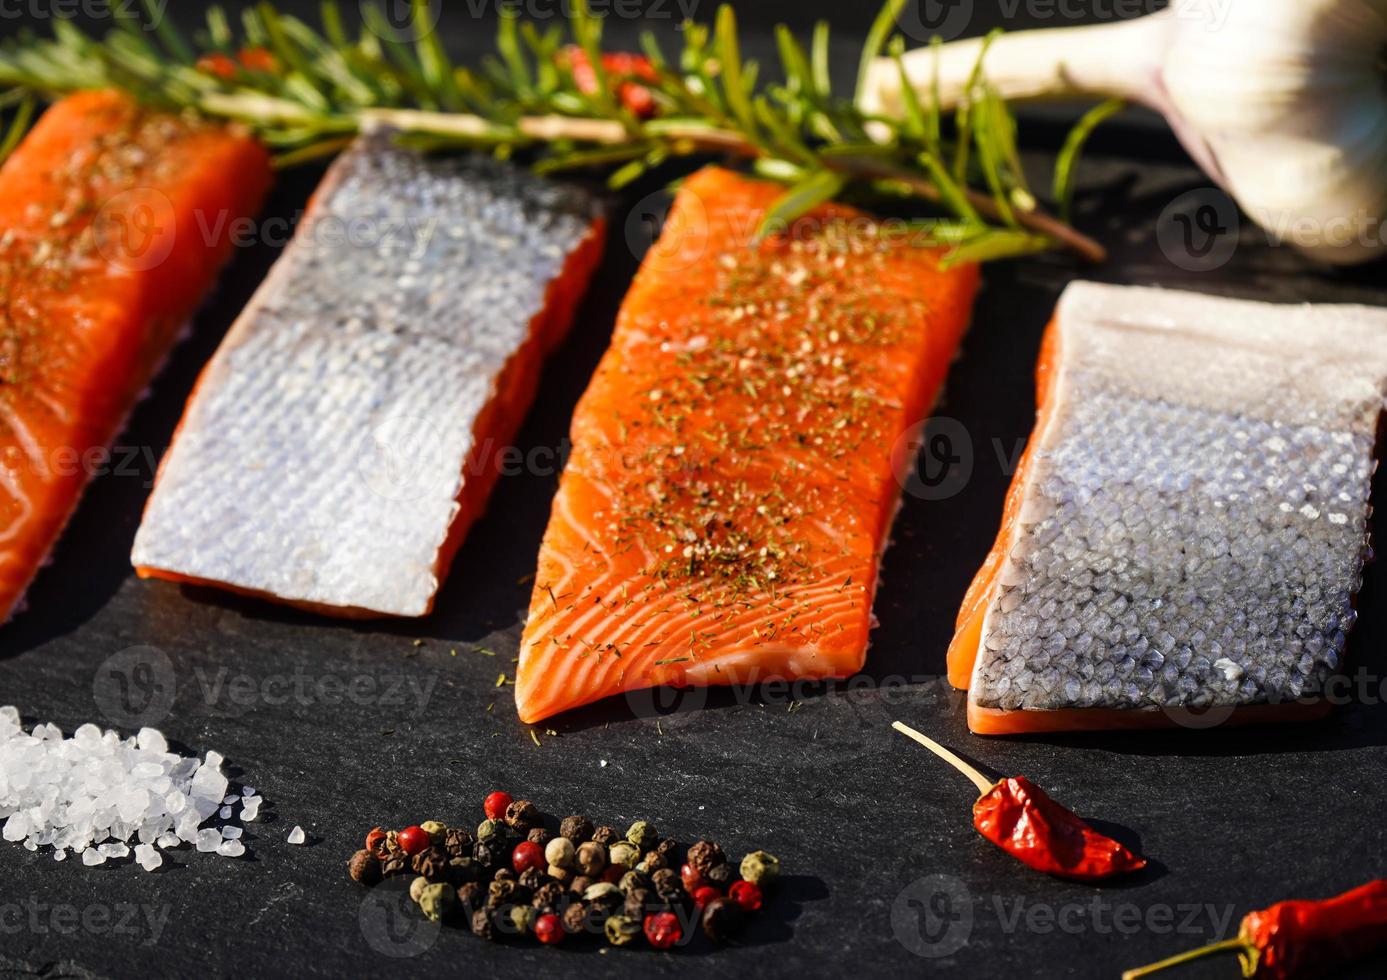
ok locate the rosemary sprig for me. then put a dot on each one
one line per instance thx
(325, 85)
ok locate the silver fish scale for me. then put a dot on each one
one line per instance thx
(322, 454)
(1197, 550)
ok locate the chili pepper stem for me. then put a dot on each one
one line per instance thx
(983, 784)
(1235, 945)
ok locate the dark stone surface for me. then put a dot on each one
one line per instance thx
(881, 859)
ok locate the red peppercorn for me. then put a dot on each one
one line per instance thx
(692, 880)
(702, 896)
(747, 894)
(375, 839)
(494, 806)
(413, 840)
(549, 929)
(527, 855)
(662, 929)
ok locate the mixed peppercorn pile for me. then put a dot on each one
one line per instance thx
(514, 877)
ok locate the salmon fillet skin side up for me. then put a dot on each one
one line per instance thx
(740, 452)
(1184, 538)
(114, 224)
(351, 426)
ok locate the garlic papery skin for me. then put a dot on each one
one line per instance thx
(1282, 102)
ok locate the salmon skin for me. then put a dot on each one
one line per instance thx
(351, 426)
(108, 242)
(1186, 533)
(732, 480)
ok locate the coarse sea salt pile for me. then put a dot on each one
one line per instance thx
(95, 793)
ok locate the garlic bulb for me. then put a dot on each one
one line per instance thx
(1282, 102)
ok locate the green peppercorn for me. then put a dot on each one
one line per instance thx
(522, 919)
(522, 815)
(437, 831)
(622, 930)
(642, 834)
(592, 858)
(722, 919)
(606, 836)
(437, 901)
(490, 832)
(623, 853)
(760, 868)
(632, 880)
(364, 867)
(416, 888)
(576, 828)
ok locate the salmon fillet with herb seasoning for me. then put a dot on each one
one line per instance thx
(735, 463)
(1184, 538)
(352, 424)
(109, 218)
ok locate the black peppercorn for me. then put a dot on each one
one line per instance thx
(663, 876)
(722, 919)
(706, 855)
(503, 874)
(577, 829)
(430, 864)
(671, 890)
(632, 880)
(654, 861)
(548, 897)
(638, 902)
(461, 870)
(532, 878)
(575, 919)
(393, 865)
(540, 836)
(489, 856)
(364, 867)
(721, 876)
(606, 836)
(669, 850)
(522, 815)
(499, 893)
(580, 884)
(457, 842)
(482, 925)
(470, 897)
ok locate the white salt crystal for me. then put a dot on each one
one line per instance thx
(167, 841)
(113, 850)
(91, 857)
(207, 840)
(231, 833)
(152, 740)
(60, 855)
(231, 798)
(224, 813)
(297, 836)
(231, 849)
(148, 857)
(247, 791)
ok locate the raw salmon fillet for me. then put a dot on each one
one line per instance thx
(109, 239)
(350, 428)
(735, 463)
(1186, 533)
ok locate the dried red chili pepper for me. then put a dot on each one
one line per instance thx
(1300, 939)
(1018, 816)
(627, 71)
(227, 68)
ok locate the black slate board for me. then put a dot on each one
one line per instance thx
(886, 876)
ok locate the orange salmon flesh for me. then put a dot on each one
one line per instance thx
(737, 458)
(105, 252)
